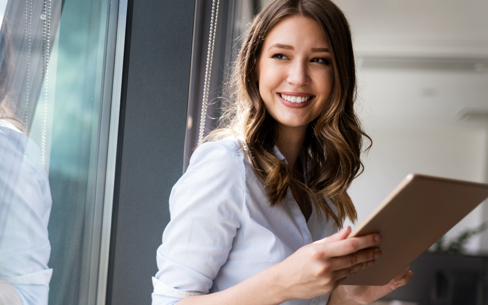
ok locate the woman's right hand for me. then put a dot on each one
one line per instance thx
(317, 268)
(313, 270)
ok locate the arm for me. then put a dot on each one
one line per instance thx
(8, 294)
(205, 206)
(313, 270)
(262, 288)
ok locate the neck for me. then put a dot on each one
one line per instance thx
(290, 141)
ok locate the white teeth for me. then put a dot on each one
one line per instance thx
(295, 99)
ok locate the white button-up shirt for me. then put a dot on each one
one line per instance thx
(223, 230)
(25, 207)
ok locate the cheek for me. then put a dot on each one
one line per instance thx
(271, 76)
(266, 85)
(327, 80)
(326, 84)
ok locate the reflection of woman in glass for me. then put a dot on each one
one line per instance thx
(25, 205)
(245, 215)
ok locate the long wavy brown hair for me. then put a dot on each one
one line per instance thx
(333, 144)
(7, 105)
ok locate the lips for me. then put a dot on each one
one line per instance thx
(295, 99)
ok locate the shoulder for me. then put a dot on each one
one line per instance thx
(214, 183)
(219, 155)
(215, 168)
(19, 151)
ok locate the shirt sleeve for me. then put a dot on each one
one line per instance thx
(205, 207)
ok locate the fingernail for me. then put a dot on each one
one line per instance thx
(377, 238)
(394, 284)
(370, 263)
(377, 254)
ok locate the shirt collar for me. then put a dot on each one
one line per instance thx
(276, 150)
(278, 154)
(7, 124)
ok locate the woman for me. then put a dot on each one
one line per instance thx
(256, 196)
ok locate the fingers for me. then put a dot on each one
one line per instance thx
(401, 274)
(402, 278)
(343, 273)
(402, 281)
(347, 246)
(359, 257)
(350, 264)
(342, 234)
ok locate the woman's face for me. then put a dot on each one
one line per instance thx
(295, 72)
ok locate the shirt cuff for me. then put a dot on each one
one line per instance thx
(42, 277)
(161, 288)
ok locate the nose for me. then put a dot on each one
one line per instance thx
(298, 74)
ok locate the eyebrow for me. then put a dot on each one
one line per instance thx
(288, 47)
(320, 50)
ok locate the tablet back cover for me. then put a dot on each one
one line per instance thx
(411, 219)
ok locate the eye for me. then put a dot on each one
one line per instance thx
(323, 61)
(279, 56)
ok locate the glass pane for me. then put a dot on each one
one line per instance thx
(233, 18)
(225, 52)
(53, 146)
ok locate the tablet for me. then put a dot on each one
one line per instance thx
(419, 211)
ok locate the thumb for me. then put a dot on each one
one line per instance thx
(342, 234)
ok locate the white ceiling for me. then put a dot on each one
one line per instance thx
(457, 27)
(431, 95)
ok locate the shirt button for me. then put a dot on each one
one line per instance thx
(314, 303)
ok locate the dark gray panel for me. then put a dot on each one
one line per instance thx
(150, 157)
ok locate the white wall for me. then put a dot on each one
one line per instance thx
(453, 153)
(413, 117)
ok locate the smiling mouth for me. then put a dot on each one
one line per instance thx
(295, 99)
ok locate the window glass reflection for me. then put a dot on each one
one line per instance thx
(25, 209)
(24, 186)
(53, 131)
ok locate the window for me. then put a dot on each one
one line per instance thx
(59, 109)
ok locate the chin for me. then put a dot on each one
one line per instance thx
(293, 124)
